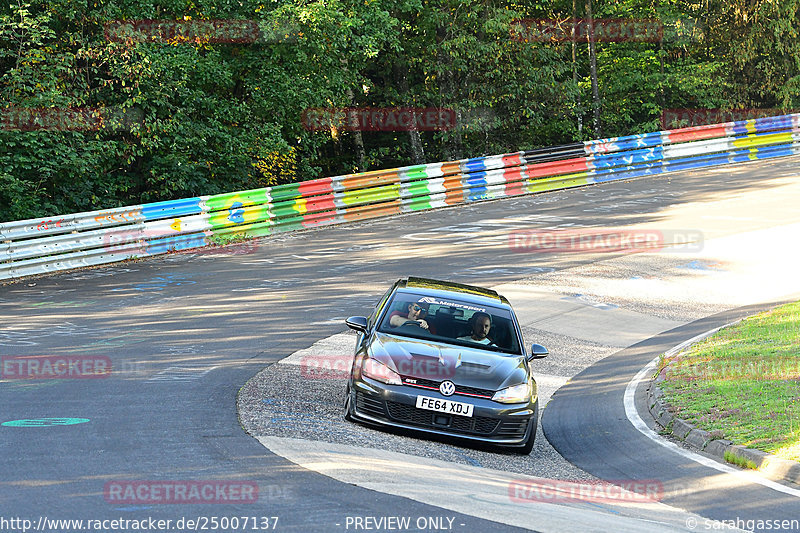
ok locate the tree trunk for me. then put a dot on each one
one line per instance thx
(593, 71)
(358, 140)
(417, 150)
(661, 81)
(451, 145)
(574, 32)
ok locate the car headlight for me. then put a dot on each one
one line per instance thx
(516, 394)
(380, 372)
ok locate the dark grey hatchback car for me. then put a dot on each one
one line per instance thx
(447, 359)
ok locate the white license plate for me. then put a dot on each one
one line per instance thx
(444, 406)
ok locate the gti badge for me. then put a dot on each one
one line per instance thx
(447, 388)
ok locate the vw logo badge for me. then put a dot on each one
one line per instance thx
(447, 388)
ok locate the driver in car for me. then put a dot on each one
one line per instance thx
(416, 310)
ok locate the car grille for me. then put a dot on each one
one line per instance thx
(479, 425)
(474, 390)
(431, 384)
(369, 405)
(513, 429)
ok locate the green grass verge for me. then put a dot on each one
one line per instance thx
(745, 382)
(740, 461)
(230, 238)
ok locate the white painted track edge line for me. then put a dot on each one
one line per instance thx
(637, 422)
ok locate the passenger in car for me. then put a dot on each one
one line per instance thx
(481, 324)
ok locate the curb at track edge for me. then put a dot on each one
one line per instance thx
(768, 465)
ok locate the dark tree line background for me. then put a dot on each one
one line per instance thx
(205, 118)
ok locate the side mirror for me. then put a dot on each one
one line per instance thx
(358, 323)
(538, 352)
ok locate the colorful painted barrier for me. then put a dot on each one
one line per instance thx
(37, 246)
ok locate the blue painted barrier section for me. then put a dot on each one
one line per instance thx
(172, 208)
(176, 242)
(473, 165)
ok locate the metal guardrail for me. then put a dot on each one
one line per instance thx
(37, 246)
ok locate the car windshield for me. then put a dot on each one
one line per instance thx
(451, 320)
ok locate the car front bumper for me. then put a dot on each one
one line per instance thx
(395, 406)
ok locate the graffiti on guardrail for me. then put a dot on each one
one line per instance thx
(56, 223)
(112, 217)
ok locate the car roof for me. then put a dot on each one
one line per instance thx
(444, 289)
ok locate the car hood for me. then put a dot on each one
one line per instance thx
(419, 359)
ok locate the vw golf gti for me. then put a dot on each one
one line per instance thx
(447, 359)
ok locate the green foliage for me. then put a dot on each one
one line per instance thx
(184, 117)
(740, 461)
(743, 381)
